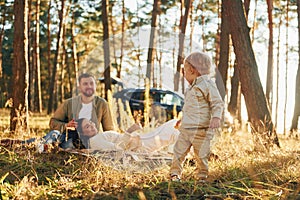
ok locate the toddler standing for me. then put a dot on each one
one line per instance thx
(202, 113)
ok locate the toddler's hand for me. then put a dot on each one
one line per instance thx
(215, 122)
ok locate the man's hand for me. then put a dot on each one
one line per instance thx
(71, 125)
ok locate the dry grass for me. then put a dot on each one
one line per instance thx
(239, 172)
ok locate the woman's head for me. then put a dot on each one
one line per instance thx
(86, 127)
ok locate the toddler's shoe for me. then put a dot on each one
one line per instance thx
(175, 178)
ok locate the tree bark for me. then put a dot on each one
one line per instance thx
(75, 58)
(37, 87)
(258, 112)
(286, 65)
(277, 69)
(269, 90)
(224, 54)
(31, 58)
(2, 23)
(52, 86)
(49, 42)
(297, 90)
(107, 81)
(180, 55)
(233, 106)
(119, 67)
(19, 111)
(151, 48)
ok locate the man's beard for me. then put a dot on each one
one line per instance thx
(88, 94)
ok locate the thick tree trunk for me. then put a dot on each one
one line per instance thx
(151, 48)
(297, 92)
(258, 112)
(19, 111)
(234, 105)
(107, 77)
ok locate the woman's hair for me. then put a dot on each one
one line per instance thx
(79, 125)
(200, 61)
(84, 139)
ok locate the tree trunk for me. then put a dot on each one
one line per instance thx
(63, 67)
(2, 23)
(297, 92)
(75, 59)
(31, 59)
(52, 86)
(49, 42)
(19, 111)
(107, 81)
(269, 90)
(277, 69)
(119, 67)
(234, 96)
(37, 88)
(151, 48)
(286, 65)
(114, 63)
(258, 113)
(234, 105)
(224, 54)
(180, 55)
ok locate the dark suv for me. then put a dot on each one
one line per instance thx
(162, 102)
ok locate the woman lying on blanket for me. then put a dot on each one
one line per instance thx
(161, 137)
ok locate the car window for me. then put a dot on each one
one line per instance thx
(170, 99)
(138, 95)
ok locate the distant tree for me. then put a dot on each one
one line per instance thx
(151, 48)
(277, 69)
(19, 111)
(286, 64)
(180, 55)
(224, 52)
(37, 75)
(49, 71)
(53, 88)
(2, 24)
(297, 91)
(269, 90)
(74, 56)
(119, 67)
(258, 113)
(107, 81)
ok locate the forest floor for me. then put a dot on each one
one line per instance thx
(239, 171)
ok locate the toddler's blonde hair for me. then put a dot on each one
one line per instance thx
(200, 61)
